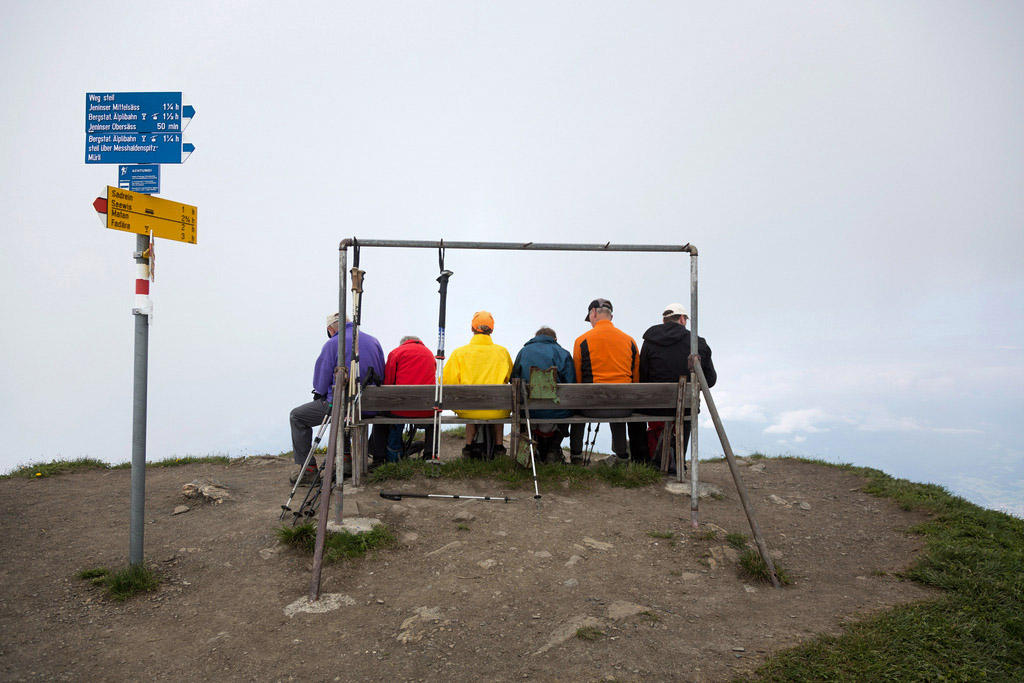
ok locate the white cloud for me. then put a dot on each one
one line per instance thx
(891, 423)
(805, 420)
(748, 412)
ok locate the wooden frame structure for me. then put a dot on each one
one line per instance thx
(685, 396)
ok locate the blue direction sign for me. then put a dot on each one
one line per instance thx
(133, 148)
(133, 112)
(144, 178)
(135, 127)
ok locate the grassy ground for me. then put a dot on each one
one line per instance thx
(506, 470)
(49, 469)
(973, 632)
(124, 583)
(337, 545)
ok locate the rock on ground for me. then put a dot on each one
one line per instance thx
(326, 603)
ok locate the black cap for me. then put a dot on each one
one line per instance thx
(597, 303)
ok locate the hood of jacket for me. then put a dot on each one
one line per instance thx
(542, 339)
(667, 334)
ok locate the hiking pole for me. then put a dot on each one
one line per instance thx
(395, 495)
(353, 373)
(529, 441)
(285, 509)
(442, 279)
(588, 451)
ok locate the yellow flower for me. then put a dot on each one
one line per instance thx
(39, 474)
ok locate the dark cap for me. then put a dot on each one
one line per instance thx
(597, 303)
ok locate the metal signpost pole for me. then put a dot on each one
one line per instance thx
(694, 397)
(139, 131)
(138, 492)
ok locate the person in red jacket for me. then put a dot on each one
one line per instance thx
(410, 363)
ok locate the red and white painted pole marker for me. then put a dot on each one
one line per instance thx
(143, 268)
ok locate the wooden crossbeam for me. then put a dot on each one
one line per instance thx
(654, 396)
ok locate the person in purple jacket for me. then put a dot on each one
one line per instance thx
(309, 415)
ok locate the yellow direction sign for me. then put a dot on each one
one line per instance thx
(144, 214)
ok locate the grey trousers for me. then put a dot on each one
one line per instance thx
(303, 419)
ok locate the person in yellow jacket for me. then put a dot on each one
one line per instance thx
(481, 361)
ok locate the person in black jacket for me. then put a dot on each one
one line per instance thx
(664, 358)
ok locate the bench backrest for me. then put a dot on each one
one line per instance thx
(661, 395)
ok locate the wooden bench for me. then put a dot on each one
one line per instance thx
(640, 398)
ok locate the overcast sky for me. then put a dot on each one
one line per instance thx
(852, 174)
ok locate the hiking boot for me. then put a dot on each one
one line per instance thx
(469, 452)
(500, 450)
(309, 476)
(576, 458)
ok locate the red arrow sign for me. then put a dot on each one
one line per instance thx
(100, 205)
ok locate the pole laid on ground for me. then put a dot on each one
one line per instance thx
(395, 495)
(137, 504)
(755, 529)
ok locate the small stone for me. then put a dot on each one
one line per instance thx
(570, 583)
(689, 576)
(573, 560)
(354, 525)
(409, 537)
(804, 505)
(542, 554)
(326, 603)
(267, 553)
(739, 649)
(463, 516)
(620, 609)
(487, 564)
(448, 546)
(181, 509)
(597, 545)
(778, 501)
(749, 589)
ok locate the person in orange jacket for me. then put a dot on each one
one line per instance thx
(607, 355)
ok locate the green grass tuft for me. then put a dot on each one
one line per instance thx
(753, 566)
(973, 632)
(124, 583)
(95, 573)
(138, 578)
(456, 432)
(589, 633)
(662, 534)
(41, 470)
(736, 540)
(191, 460)
(337, 545)
(706, 535)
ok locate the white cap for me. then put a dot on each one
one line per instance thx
(673, 309)
(332, 319)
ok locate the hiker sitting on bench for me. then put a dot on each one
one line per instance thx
(542, 352)
(607, 355)
(410, 363)
(481, 361)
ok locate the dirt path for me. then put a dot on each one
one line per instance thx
(492, 600)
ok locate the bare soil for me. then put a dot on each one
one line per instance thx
(497, 597)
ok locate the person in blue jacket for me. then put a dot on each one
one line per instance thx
(303, 418)
(543, 352)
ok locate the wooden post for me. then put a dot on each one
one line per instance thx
(359, 449)
(513, 439)
(680, 417)
(748, 508)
